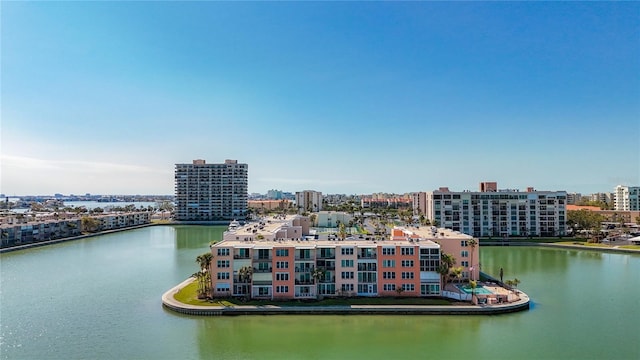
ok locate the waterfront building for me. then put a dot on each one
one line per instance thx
(626, 198)
(286, 263)
(309, 201)
(211, 192)
(21, 233)
(500, 213)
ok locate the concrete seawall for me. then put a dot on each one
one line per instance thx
(169, 302)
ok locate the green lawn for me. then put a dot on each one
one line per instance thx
(187, 295)
(632, 247)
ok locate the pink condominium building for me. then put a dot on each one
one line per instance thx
(277, 259)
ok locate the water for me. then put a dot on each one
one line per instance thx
(100, 298)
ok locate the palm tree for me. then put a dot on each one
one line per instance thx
(515, 282)
(245, 273)
(456, 272)
(204, 279)
(473, 284)
(446, 263)
(318, 274)
(473, 244)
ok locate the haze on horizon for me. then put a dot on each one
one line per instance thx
(346, 97)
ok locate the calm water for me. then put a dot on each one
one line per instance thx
(100, 298)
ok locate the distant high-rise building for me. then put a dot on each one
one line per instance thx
(626, 198)
(419, 203)
(309, 200)
(274, 195)
(488, 186)
(574, 198)
(211, 192)
(499, 213)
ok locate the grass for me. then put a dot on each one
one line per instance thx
(188, 295)
(632, 247)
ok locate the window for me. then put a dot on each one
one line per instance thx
(389, 287)
(408, 287)
(388, 251)
(464, 253)
(282, 265)
(223, 276)
(347, 274)
(407, 263)
(223, 252)
(407, 251)
(464, 263)
(388, 275)
(407, 275)
(347, 287)
(463, 243)
(388, 263)
(282, 276)
(347, 263)
(223, 263)
(282, 289)
(347, 251)
(282, 252)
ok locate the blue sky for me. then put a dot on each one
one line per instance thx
(339, 97)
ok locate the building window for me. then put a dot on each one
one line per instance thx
(407, 251)
(388, 263)
(282, 252)
(282, 265)
(389, 287)
(388, 275)
(223, 276)
(464, 263)
(347, 251)
(347, 287)
(347, 274)
(223, 263)
(282, 276)
(408, 287)
(388, 251)
(463, 243)
(223, 252)
(407, 263)
(464, 253)
(407, 275)
(282, 289)
(347, 263)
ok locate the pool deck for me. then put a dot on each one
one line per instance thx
(169, 302)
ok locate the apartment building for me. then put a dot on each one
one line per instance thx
(309, 201)
(499, 213)
(419, 203)
(288, 264)
(13, 234)
(211, 192)
(626, 198)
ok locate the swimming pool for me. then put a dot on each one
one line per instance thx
(480, 290)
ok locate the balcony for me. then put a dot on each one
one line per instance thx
(241, 256)
(367, 256)
(304, 282)
(257, 271)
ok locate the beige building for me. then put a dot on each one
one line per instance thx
(309, 201)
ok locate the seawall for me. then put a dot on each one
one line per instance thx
(169, 302)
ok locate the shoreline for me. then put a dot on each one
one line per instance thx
(170, 303)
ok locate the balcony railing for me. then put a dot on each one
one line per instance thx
(370, 256)
(304, 282)
(241, 257)
(256, 270)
